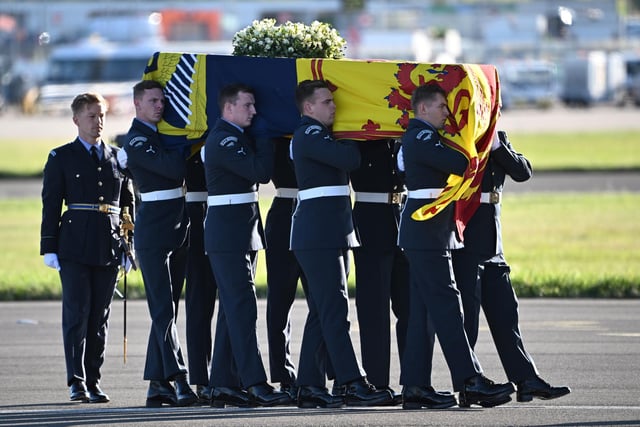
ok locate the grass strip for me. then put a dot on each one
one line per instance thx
(558, 245)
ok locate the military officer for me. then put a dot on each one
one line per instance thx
(428, 244)
(83, 242)
(322, 233)
(234, 165)
(200, 285)
(483, 275)
(161, 229)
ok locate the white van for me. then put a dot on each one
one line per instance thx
(110, 69)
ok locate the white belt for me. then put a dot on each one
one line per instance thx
(493, 197)
(153, 196)
(196, 196)
(232, 199)
(425, 193)
(327, 191)
(287, 193)
(388, 198)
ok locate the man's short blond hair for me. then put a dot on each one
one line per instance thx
(84, 99)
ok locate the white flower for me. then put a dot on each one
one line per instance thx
(294, 40)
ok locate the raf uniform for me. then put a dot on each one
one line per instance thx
(382, 271)
(161, 229)
(283, 270)
(322, 233)
(428, 244)
(86, 239)
(233, 235)
(482, 274)
(201, 288)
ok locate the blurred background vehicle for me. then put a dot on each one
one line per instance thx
(93, 65)
(593, 76)
(526, 83)
(632, 83)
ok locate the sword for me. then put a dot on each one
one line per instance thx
(124, 328)
(126, 247)
(126, 227)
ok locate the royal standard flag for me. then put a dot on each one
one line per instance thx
(373, 100)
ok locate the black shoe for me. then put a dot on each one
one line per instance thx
(318, 397)
(484, 392)
(290, 389)
(361, 393)
(264, 395)
(416, 397)
(184, 395)
(537, 387)
(396, 398)
(204, 393)
(96, 395)
(78, 392)
(160, 393)
(229, 396)
(338, 390)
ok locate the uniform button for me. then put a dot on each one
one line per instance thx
(99, 168)
(101, 198)
(99, 183)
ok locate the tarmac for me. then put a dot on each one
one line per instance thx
(593, 346)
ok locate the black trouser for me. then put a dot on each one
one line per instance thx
(326, 330)
(200, 299)
(87, 292)
(382, 275)
(236, 336)
(488, 284)
(163, 272)
(283, 273)
(433, 289)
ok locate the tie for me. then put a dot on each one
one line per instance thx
(94, 154)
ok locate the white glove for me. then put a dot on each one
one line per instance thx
(202, 154)
(51, 260)
(400, 160)
(496, 142)
(122, 158)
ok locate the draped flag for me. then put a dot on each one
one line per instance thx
(373, 100)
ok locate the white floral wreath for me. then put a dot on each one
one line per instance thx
(290, 40)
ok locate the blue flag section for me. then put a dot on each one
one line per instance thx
(192, 82)
(274, 81)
